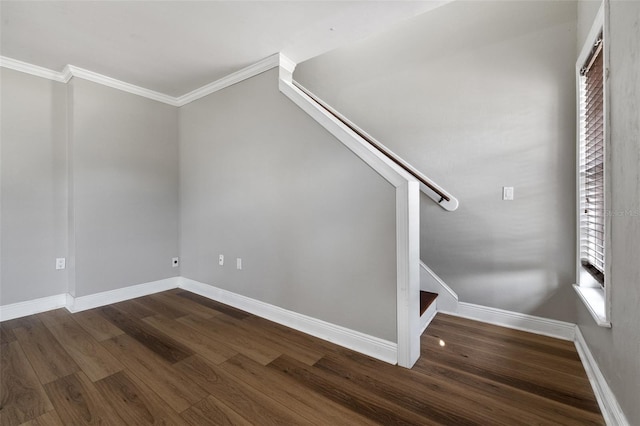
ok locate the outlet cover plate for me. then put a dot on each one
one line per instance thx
(61, 263)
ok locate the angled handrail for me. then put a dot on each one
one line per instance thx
(443, 196)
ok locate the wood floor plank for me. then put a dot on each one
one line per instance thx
(225, 309)
(287, 334)
(135, 402)
(175, 389)
(22, 397)
(534, 342)
(96, 325)
(309, 404)
(427, 396)
(212, 350)
(134, 309)
(189, 306)
(533, 358)
(256, 407)
(92, 358)
(24, 322)
(164, 346)
(349, 395)
(494, 369)
(269, 339)
(78, 402)
(6, 334)
(554, 412)
(160, 308)
(47, 356)
(212, 412)
(216, 331)
(541, 374)
(228, 326)
(50, 418)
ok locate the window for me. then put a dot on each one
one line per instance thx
(591, 172)
(593, 286)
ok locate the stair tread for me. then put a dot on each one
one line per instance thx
(426, 299)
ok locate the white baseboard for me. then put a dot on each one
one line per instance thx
(383, 350)
(82, 303)
(31, 307)
(547, 327)
(375, 347)
(611, 411)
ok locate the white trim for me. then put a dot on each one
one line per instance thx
(390, 171)
(121, 85)
(594, 299)
(27, 68)
(287, 66)
(265, 64)
(72, 71)
(428, 316)
(611, 411)
(375, 347)
(430, 281)
(516, 320)
(408, 273)
(30, 307)
(77, 304)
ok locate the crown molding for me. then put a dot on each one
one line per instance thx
(28, 68)
(287, 66)
(252, 70)
(121, 85)
(70, 71)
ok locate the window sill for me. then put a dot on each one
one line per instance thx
(594, 300)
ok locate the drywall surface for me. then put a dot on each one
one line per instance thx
(478, 95)
(313, 224)
(616, 350)
(34, 191)
(124, 155)
(587, 11)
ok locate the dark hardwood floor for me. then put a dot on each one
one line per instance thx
(180, 359)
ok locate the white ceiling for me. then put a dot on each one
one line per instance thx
(174, 47)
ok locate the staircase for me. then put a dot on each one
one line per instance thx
(408, 183)
(428, 308)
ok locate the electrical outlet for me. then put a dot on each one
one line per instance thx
(507, 193)
(61, 263)
(175, 262)
(238, 263)
(221, 260)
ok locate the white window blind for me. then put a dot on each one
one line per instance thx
(592, 155)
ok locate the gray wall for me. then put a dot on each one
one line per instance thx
(125, 188)
(617, 350)
(314, 225)
(89, 173)
(478, 95)
(34, 192)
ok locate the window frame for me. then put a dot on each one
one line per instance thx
(595, 296)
